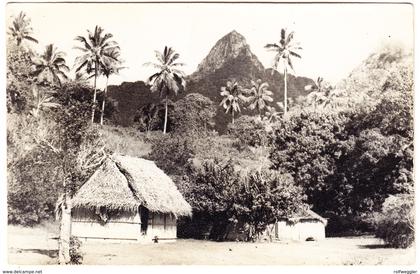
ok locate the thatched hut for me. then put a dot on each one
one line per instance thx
(127, 198)
(304, 225)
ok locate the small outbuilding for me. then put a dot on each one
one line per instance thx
(128, 199)
(305, 225)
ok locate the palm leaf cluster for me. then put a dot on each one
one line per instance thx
(321, 94)
(260, 96)
(51, 66)
(285, 49)
(21, 30)
(97, 49)
(233, 97)
(168, 78)
(42, 100)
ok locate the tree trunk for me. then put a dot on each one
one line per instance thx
(103, 102)
(65, 232)
(94, 93)
(166, 115)
(285, 91)
(233, 117)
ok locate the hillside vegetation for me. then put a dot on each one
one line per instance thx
(245, 145)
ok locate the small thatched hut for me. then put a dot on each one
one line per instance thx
(304, 225)
(127, 198)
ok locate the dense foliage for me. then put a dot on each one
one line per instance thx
(395, 223)
(223, 198)
(347, 150)
(348, 162)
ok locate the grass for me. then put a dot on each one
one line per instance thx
(34, 246)
(125, 140)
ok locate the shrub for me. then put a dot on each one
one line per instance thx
(395, 224)
(249, 131)
(224, 197)
(75, 253)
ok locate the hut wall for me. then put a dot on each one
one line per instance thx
(87, 225)
(162, 226)
(301, 230)
(125, 226)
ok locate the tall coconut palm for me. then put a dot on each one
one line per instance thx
(285, 50)
(260, 95)
(169, 79)
(96, 52)
(51, 66)
(232, 98)
(21, 30)
(110, 67)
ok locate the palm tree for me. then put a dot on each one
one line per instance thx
(51, 66)
(82, 79)
(284, 51)
(21, 30)
(110, 67)
(319, 93)
(42, 100)
(260, 95)
(169, 79)
(272, 115)
(97, 51)
(232, 98)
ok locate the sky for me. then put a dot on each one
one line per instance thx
(335, 37)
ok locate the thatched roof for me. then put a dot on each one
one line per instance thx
(124, 182)
(107, 187)
(306, 214)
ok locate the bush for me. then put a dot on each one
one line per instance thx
(395, 224)
(249, 131)
(75, 254)
(224, 198)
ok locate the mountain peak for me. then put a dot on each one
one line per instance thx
(229, 47)
(235, 34)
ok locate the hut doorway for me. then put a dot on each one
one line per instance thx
(144, 218)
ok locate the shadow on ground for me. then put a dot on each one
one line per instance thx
(373, 246)
(52, 253)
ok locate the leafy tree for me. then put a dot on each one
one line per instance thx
(173, 152)
(224, 197)
(21, 30)
(259, 96)
(348, 162)
(395, 223)
(285, 49)
(305, 146)
(111, 66)
(169, 79)
(193, 113)
(51, 66)
(147, 117)
(79, 149)
(232, 98)
(97, 51)
(249, 131)
(19, 79)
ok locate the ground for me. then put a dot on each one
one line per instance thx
(35, 246)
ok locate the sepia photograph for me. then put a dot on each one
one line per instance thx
(208, 134)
